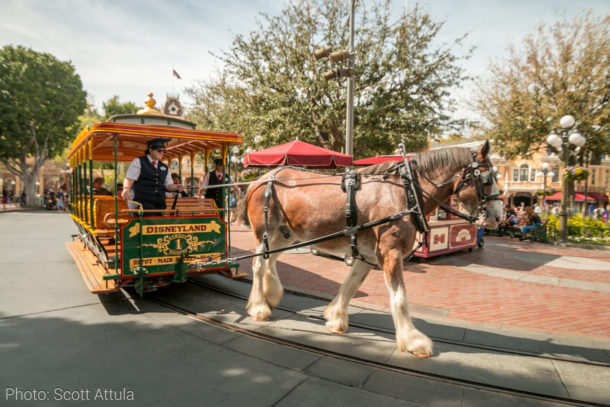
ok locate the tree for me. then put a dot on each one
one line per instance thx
(40, 101)
(562, 69)
(271, 86)
(113, 106)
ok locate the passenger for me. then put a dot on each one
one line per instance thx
(533, 222)
(149, 178)
(176, 180)
(98, 188)
(119, 189)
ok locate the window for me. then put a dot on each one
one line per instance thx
(515, 174)
(533, 174)
(524, 170)
(593, 177)
(556, 176)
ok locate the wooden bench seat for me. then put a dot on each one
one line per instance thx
(193, 205)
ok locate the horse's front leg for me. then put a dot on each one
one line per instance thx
(408, 338)
(336, 312)
(257, 306)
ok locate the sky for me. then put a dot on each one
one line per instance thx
(130, 47)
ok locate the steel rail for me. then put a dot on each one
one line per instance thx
(501, 349)
(378, 365)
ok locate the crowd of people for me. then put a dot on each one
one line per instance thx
(528, 218)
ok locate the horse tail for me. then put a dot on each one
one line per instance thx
(241, 212)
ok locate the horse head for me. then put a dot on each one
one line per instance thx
(478, 191)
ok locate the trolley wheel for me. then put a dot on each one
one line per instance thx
(470, 250)
(481, 243)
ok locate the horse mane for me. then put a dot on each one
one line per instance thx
(450, 158)
(377, 169)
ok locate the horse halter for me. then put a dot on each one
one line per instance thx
(469, 175)
(483, 179)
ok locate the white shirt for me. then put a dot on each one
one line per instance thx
(133, 172)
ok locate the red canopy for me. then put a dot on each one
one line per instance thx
(577, 197)
(380, 159)
(598, 197)
(297, 153)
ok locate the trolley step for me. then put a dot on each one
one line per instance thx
(91, 270)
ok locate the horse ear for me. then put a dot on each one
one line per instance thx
(483, 151)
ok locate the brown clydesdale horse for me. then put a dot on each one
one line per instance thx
(305, 205)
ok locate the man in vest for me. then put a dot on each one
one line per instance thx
(149, 178)
(215, 178)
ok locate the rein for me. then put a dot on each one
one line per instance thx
(350, 184)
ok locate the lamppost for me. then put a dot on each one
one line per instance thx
(563, 144)
(545, 173)
(346, 72)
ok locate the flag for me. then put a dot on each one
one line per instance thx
(176, 74)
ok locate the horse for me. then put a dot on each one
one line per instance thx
(303, 205)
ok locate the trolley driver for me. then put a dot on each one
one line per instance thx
(149, 178)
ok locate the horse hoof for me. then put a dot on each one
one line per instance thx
(422, 353)
(335, 327)
(260, 314)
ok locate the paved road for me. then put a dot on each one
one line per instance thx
(507, 284)
(63, 344)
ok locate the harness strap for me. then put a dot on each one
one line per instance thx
(350, 184)
(267, 195)
(413, 197)
(345, 232)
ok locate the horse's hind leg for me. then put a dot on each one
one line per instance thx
(257, 306)
(336, 312)
(408, 338)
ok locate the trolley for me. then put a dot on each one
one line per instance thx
(118, 247)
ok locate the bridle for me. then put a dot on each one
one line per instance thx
(471, 174)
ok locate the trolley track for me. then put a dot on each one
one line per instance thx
(464, 383)
(436, 339)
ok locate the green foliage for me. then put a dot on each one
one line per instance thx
(114, 106)
(271, 85)
(41, 99)
(562, 69)
(585, 228)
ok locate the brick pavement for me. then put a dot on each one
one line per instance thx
(438, 289)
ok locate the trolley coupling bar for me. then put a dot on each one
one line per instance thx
(345, 232)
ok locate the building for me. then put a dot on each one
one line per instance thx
(522, 183)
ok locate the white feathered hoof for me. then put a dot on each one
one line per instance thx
(336, 322)
(417, 343)
(260, 312)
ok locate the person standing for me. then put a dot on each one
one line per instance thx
(149, 178)
(4, 197)
(215, 178)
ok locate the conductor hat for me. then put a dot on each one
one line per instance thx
(157, 143)
(218, 161)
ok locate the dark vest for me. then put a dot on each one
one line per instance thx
(150, 185)
(214, 193)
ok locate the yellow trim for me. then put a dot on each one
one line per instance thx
(207, 158)
(225, 150)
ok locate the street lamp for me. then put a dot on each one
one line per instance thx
(545, 173)
(345, 72)
(562, 144)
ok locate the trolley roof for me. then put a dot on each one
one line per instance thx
(132, 138)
